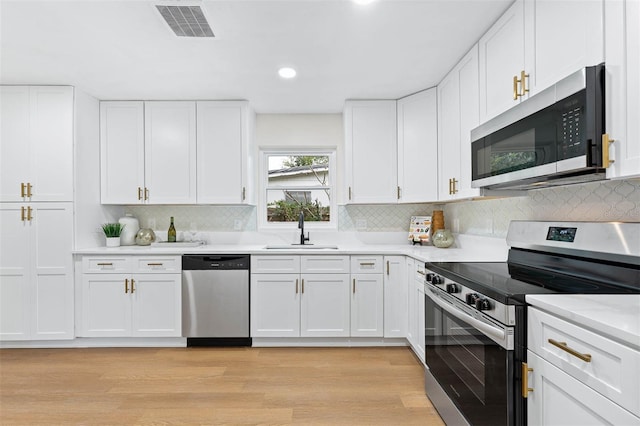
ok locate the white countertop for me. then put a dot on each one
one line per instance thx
(613, 315)
(467, 248)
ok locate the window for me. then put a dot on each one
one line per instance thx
(295, 182)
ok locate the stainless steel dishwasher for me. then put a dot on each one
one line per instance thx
(215, 300)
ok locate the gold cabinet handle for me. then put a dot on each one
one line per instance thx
(421, 272)
(146, 194)
(563, 346)
(126, 285)
(22, 188)
(523, 83)
(296, 286)
(244, 193)
(133, 285)
(349, 193)
(606, 144)
(398, 193)
(105, 264)
(450, 189)
(387, 267)
(525, 380)
(367, 263)
(155, 264)
(29, 217)
(22, 215)
(139, 194)
(29, 195)
(354, 286)
(454, 182)
(515, 88)
(303, 286)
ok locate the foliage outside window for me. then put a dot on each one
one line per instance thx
(298, 183)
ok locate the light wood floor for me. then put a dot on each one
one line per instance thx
(213, 386)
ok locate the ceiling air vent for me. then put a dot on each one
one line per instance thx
(186, 21)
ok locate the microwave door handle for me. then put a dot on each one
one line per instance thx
(483, 327)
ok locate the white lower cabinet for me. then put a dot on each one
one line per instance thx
(416, 329)
(134, 303)
(578, 377)
(36, 279)
(395, 296)
(367, 305)
(289, 302)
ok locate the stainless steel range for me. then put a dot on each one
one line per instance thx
(475, 313)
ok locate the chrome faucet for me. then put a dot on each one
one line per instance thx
(301, 227)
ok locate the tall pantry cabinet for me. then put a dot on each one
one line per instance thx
(36, 208)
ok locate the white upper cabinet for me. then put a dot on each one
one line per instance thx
(170, 152)
(535, 44)
(501, 59)
(561, 36)
(457, 114)
(370, 152)
(36, 148)
(622, 87)
(224, 167)
(418, 147)
(122, 152)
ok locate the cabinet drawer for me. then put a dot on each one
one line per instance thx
(275, 264)
(324, 264)
(366, 264)
(157, 264)
(612, 370)
(106, 264)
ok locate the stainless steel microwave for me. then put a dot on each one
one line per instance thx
(552, 138)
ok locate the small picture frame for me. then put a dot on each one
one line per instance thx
(419, 229)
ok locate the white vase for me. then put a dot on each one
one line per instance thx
(113, 241)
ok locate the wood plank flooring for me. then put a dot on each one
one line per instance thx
(354, 386)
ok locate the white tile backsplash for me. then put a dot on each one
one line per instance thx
(617, 200)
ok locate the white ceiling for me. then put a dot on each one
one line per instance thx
(341, 50)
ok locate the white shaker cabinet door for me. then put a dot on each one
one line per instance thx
(623, 86)
(501, 58)
(395, 297)
(324, 307)
(52, 280)
(14, 142)
(15, 274)
(371, 152)
(156, 305)
(275, 305)
(122, 152)
(367, 305)
(561, 37)
(223, 152)
(170, 152)
(106, 305)
(51, 125)
(448, 135)
(418, 147)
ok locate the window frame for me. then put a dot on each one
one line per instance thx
(264, 187)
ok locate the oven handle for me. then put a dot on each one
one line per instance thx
(483, 327)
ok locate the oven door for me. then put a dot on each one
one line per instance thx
(471, 359)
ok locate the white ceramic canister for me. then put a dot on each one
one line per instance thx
(131, 227)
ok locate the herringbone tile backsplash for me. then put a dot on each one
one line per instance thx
(597, 201)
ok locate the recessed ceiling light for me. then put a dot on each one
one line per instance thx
(287, 72)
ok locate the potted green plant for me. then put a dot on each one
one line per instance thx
(112, 233)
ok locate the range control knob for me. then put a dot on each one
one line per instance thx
(452, 288)
(437, 279)
(483, 304)
(430, 276)
(471, 298)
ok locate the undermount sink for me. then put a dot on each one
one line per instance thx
(301, 246)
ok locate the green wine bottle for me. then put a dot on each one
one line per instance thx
(171, 234)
